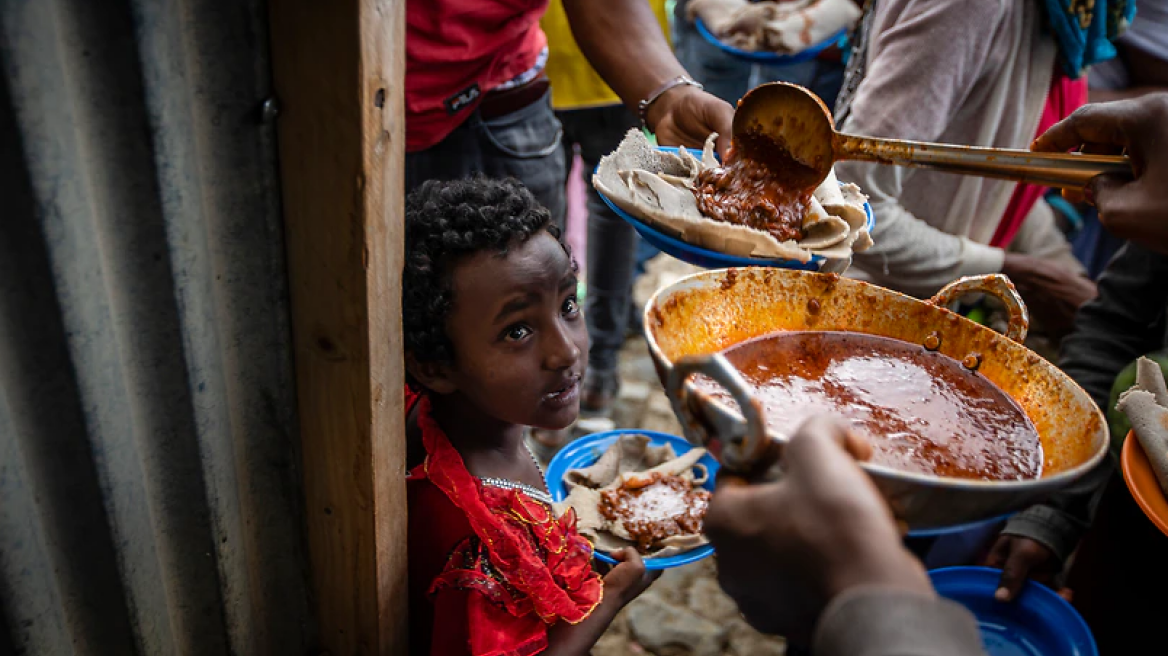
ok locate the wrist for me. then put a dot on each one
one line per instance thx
(897, 571)
(661, 105)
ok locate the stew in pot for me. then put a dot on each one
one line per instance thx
(923, 411)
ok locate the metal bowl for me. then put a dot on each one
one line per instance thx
(691, 321)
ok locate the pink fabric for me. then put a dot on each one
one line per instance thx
(1065, 96)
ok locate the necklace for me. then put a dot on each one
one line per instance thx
(506, 484)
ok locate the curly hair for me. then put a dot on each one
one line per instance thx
(448, 221)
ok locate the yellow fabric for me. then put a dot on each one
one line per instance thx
(575, 85)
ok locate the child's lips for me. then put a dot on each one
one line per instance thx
(564, 396)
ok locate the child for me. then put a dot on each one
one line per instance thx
(494, 342)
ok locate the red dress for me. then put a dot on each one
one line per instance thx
(490, 568)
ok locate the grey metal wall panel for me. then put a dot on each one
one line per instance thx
(149, 494)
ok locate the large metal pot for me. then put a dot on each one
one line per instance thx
(689, 322)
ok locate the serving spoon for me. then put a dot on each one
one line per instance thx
(789, 128)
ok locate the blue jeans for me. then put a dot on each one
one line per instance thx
(524, 144)
(730, 78)
(612, 243)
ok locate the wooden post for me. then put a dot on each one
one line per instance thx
(339, 71)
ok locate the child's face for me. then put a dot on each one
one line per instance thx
(519, 338)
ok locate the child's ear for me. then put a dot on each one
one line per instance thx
(435, 376)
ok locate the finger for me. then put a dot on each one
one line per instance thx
(1014, 573)
(998, 554)
(1090, 124)
(1076, 196)
(1105, 192)
(1066, 593)
(820, 451)
(624, 554)
(857, 445)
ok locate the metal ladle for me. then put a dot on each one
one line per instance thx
(786, 125)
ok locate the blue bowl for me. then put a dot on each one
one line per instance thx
(709, 259)
(588, 449)
(771, 58)
(1037, 623)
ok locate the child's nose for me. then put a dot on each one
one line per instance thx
(562, 352)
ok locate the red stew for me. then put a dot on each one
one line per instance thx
(771, 195)
(923, 411)
(668, 506)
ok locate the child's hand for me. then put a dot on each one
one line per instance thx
(629, 578)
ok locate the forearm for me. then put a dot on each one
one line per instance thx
(578, 639)
(1109, 95)
(624, 43)
(909, 255)
(885, 622)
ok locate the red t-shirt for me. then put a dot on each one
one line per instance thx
(457, 50)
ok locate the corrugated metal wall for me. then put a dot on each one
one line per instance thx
(149, 494)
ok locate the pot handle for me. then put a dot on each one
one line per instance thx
(741, 454)
(996, 285)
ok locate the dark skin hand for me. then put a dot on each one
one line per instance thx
(1021, 558)
(623, 583)
(786, 549)
(1053, 292)
(624, 43)
(1133, 209)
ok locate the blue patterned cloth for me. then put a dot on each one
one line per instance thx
(1087, 29)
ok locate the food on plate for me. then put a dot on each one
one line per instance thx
(640, 495)
(1146, 406)
(923, 411)
(740, 209)
(784, 27)
(772, 196)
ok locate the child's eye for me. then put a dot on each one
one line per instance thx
(516, 333)
(571, 306)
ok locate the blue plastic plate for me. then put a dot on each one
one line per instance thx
(1038, 623)
(709, 259)
(772, 58)
(588, 449)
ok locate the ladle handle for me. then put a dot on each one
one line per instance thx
(745, 455)
(1060, 170)
(995, 285)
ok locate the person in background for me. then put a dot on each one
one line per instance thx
(817, 558)
(1118, 576)
(595, 121)
(996, 74)
(477, 96)
(729, 77)
(1141, 68)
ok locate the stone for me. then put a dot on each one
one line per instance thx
(705, 597)
(668, 630)
(745, 641)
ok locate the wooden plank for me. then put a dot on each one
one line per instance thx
(339, 75)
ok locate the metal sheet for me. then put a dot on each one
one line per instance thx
(149, 493)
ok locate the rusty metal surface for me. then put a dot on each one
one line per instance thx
(149, 493)
(711, 311)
